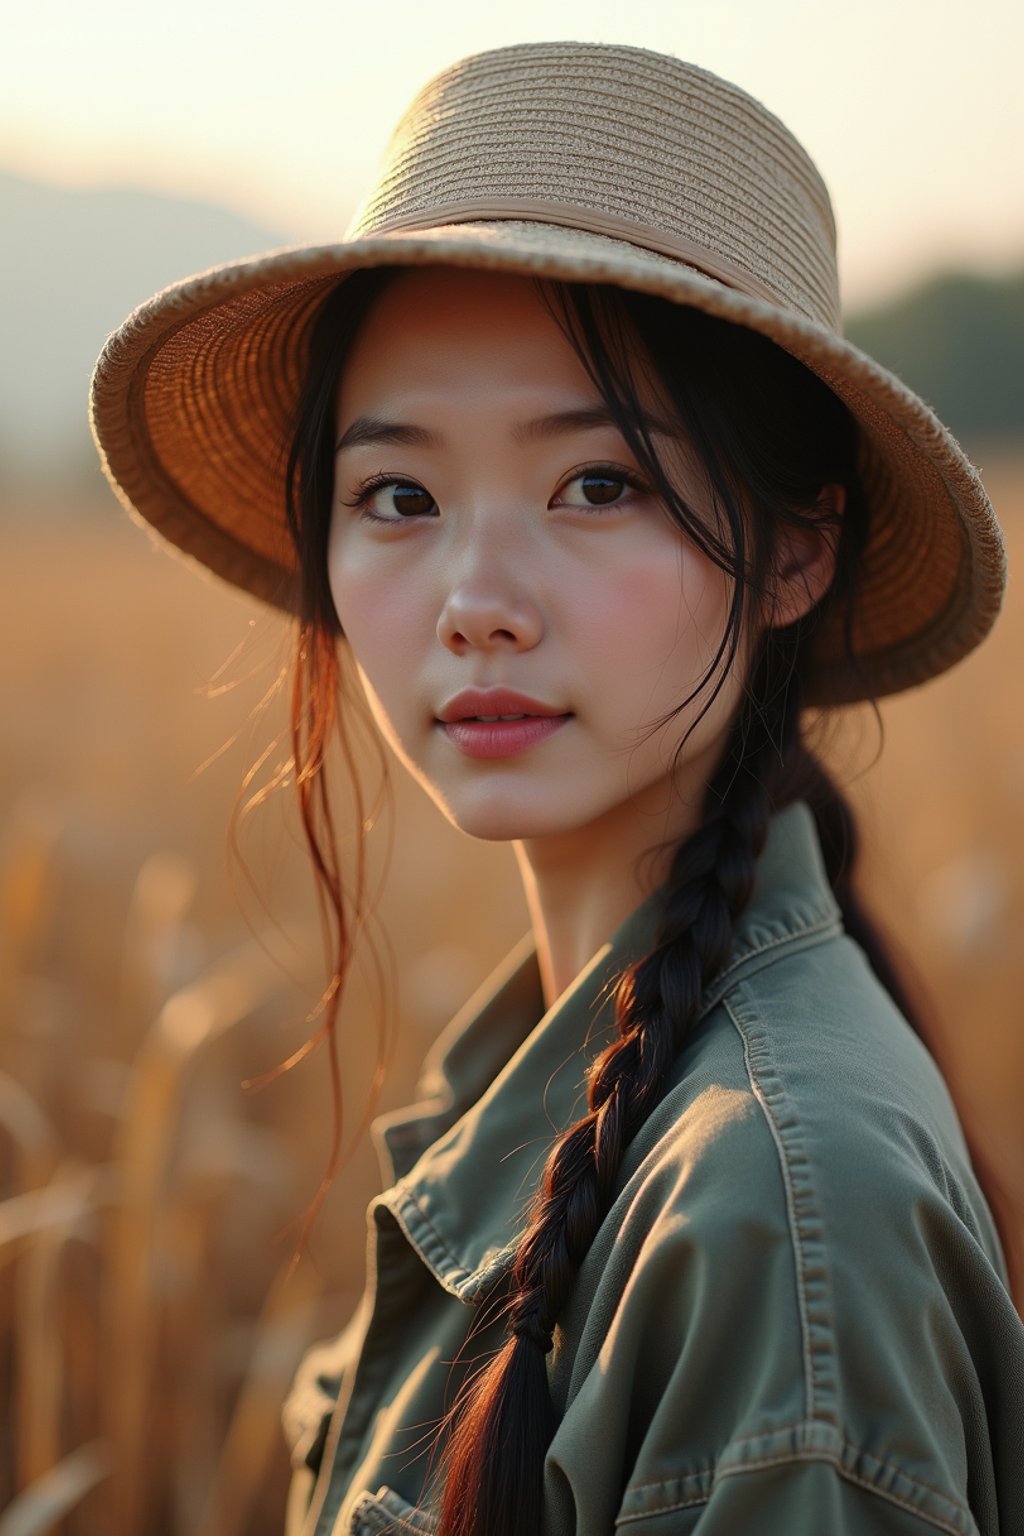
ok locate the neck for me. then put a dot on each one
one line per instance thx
(582, 885)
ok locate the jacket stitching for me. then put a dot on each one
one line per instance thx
(825, 927)
(410, 1213)
(372, 1514)
(796, 1235)
(712, 1468)
(757, 1464)
(793, 931)
(466, 1283)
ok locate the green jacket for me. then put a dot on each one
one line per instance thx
(792, 1322)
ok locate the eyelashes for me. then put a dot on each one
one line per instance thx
(608, 483)
(366, 491)
(602, 477)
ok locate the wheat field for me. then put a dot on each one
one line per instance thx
(152, 1191)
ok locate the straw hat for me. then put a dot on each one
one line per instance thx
(585, 162)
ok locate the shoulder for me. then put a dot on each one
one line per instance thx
(794, 1289)
(859, 1115)
(804, 1110)
(801, 1054)
(806, 1057)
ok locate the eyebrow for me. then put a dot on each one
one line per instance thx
(377, 429)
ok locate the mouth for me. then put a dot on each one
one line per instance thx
(496, 706)
(499, 722)
(501, 736)
(491, 719)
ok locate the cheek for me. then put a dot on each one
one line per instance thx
(379, 617)
(380, 637)
(706, 596)
(662, 620)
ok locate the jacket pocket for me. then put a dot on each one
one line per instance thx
(386, 1511)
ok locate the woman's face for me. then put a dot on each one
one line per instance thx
(494, 551)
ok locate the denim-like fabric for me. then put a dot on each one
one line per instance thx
(793, 1321)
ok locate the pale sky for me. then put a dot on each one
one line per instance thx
(913, 109)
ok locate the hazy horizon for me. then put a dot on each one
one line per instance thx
(913, 113)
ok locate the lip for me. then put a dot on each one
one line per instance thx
(474, 702)
(490, 738)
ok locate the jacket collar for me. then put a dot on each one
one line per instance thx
(501, 1085)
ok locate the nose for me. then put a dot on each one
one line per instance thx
(488, 605)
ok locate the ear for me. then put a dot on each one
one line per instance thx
(806, 560)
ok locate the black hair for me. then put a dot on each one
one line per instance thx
(772, 439)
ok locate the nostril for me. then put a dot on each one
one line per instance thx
(476, 620)
(495, 637)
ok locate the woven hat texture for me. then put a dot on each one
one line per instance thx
(585, 162)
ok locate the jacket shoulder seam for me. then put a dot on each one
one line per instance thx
(806, 1227)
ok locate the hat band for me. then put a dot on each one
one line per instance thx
(572, 216)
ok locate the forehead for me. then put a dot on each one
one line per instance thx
(445, 330)
(442, 349)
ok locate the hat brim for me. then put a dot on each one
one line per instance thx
(193, 405)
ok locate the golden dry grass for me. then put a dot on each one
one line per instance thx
(148, 1203)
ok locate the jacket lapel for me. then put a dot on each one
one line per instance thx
(505, 1078)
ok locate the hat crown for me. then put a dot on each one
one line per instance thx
(657, 151)
(576, 163)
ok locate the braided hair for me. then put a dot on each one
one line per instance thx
(657, 1002)
(770, 437)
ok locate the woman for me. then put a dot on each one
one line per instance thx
(562, 449)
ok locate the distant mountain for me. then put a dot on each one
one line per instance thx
(74, 263)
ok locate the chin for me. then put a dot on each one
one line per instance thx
(502, 820)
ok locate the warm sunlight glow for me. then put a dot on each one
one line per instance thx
(913, 112)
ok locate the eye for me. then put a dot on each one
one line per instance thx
(388, 499)
(601, 485)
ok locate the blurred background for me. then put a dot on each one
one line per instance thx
(150, 1202)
